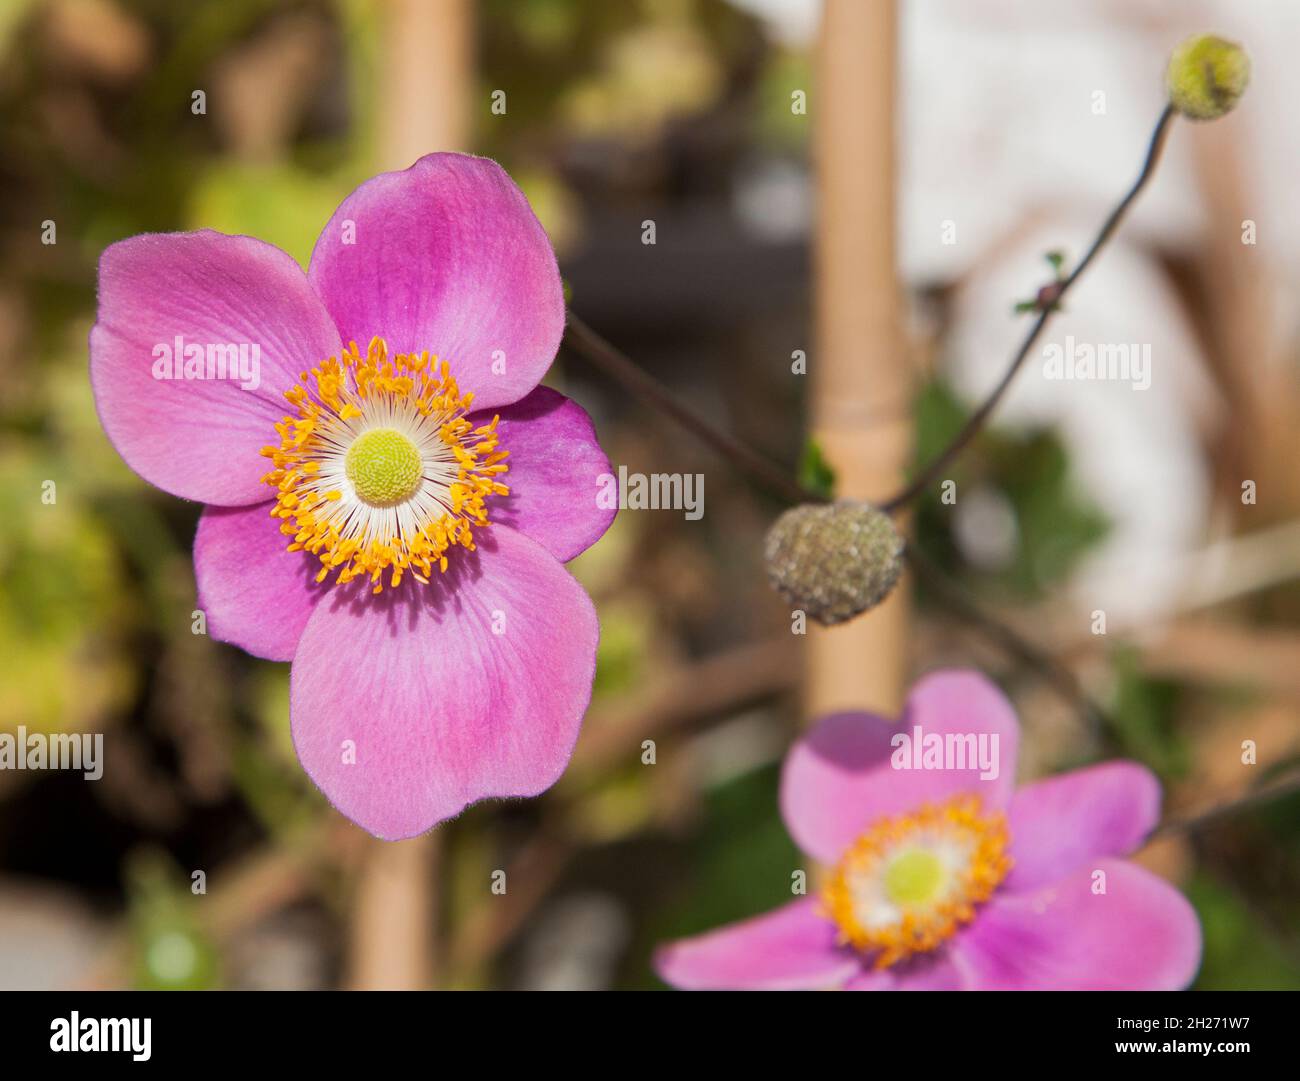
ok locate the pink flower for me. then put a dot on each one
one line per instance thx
(948, 878)
(361, 524)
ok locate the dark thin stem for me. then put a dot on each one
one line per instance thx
(620, 367)
(1060, 678)
(1285, 785)
(932, 471)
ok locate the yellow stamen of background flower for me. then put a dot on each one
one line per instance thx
(378, 469)
(910, 882)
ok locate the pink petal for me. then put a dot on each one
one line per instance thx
(446, 257)
(441, 710)
(789, 949)
(930, 972)
(839, 779)
(1140, 935)
(871, 979)
(256, 595)
(200, 439)
(555, 470)
(1068, 822)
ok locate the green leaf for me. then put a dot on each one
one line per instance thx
(815, 472)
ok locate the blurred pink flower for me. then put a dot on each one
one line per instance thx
(949, 878)
(468, 676)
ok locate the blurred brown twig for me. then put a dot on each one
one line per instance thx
(619, 366)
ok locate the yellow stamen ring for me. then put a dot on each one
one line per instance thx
(378, 469)
(910, 882)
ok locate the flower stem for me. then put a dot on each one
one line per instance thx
(966, 609)
(1285, 785)
(620, 367)
(976, 421)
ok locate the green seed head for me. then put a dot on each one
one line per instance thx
(834, 561)
(384, 467)
(1206, 77)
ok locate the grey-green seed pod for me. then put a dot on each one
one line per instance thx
(834, 561)
(1206, 77)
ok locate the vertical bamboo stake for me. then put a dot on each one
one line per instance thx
(425, 77)
(860, 389)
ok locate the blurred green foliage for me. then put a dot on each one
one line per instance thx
(1055, 525)
(171, 951)
(1242, 951)
(742, 862)
(1144, 715)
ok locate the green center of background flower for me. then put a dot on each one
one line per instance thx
(914, 877)
(384, 467)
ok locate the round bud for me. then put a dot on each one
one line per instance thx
(834, 561)
(1206, 77)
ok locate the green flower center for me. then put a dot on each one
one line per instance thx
(914, 877)
(384, 467)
